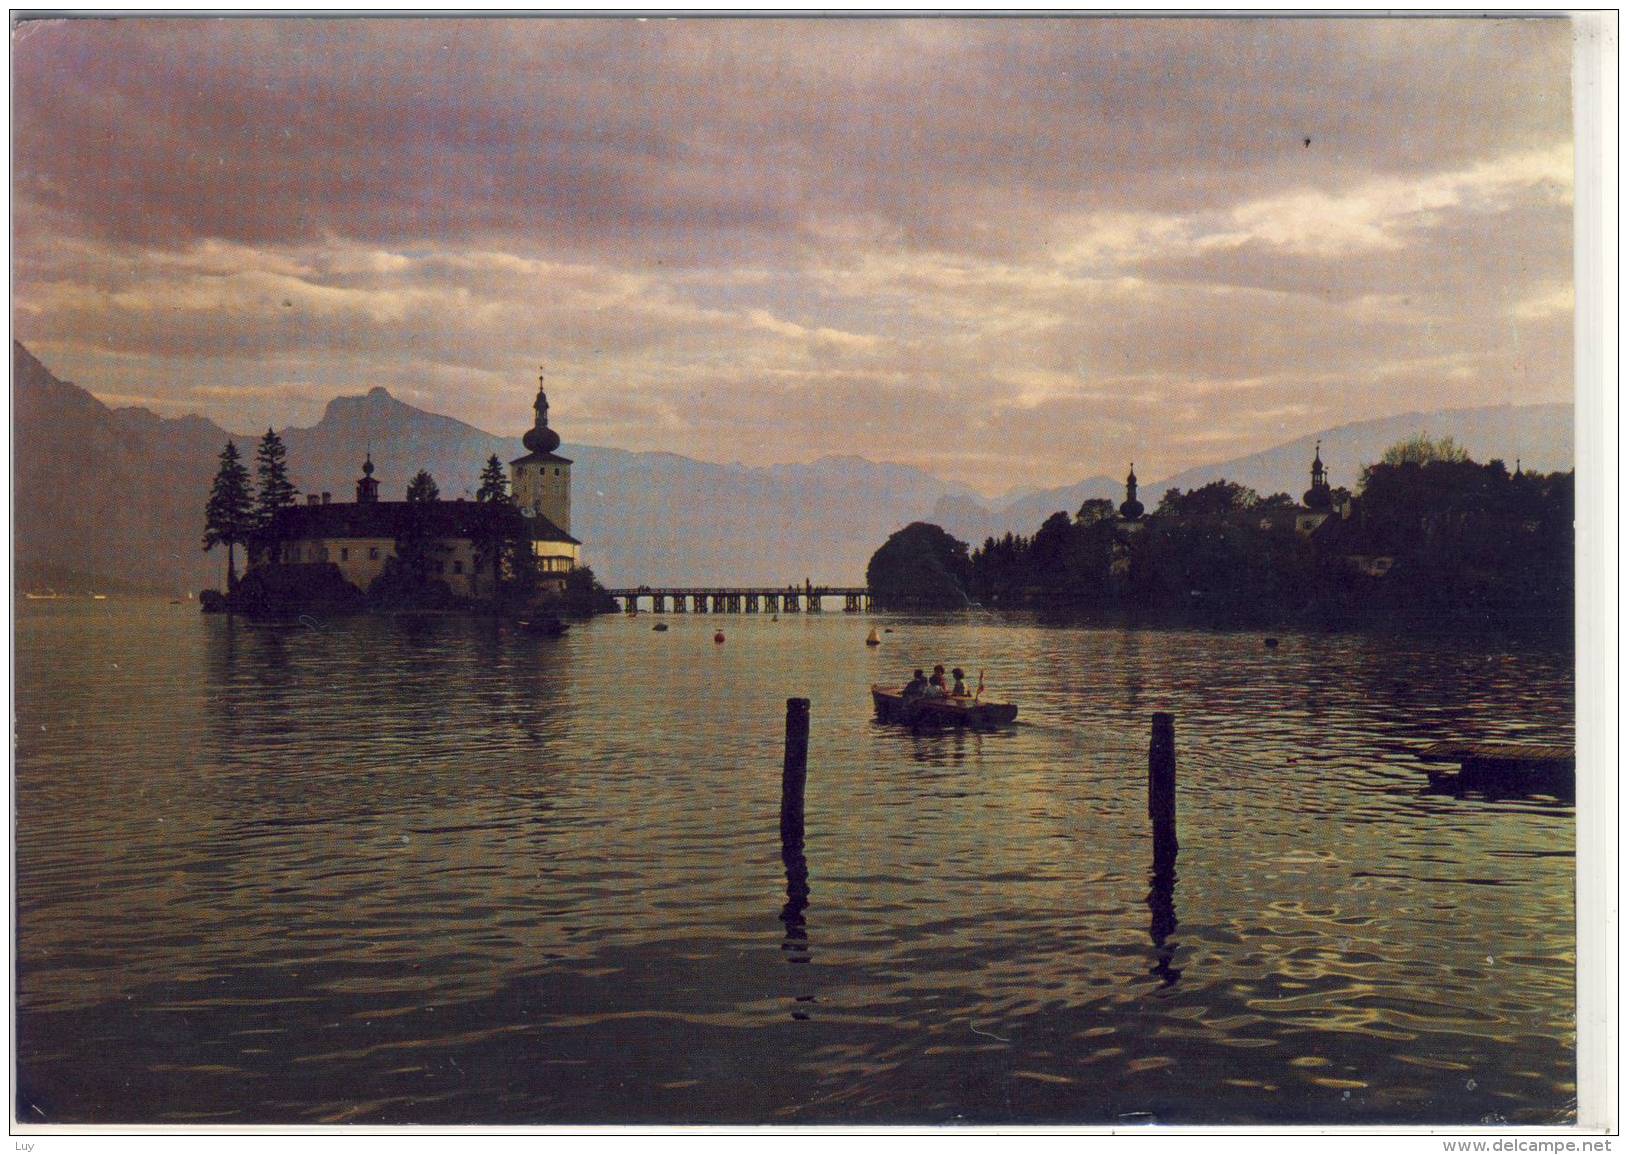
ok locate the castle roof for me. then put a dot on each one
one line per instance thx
(532, 458)
(390, 519)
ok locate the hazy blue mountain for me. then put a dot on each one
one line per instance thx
(116, 496)
(647, 517)
(106, 500)
(1540, 435)
(973, 523)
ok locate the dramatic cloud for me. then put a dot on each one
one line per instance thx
(1011, 251)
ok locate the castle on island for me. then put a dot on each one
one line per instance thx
(360, 537)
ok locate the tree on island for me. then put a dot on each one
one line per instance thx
(1422, 448)
(920, 567)
(271, 469)
(413, 540)
(229, 515)
(1093, 510)
(1217, 499)
(422, 488)
(494, 483)
(501, 541)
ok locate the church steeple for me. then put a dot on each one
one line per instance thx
(1318, 496)
(540, 438)
(541, 480)
(1130, 509)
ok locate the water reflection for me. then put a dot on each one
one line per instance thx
(372, 871)
(1162, 923)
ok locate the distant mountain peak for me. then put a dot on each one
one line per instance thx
(379, 391)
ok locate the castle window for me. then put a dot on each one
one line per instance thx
(372, 553)
(457, 567)
(344, 554)
(556, 471)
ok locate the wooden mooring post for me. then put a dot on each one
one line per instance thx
(1162, 787)
(794, 774)
(793, 777)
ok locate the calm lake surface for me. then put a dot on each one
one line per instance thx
(433, 871)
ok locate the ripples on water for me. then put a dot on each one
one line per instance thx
(433, 871)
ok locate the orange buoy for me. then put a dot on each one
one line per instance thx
(873, 639)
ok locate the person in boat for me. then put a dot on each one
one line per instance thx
(959, 690)
(937, 682)
(917, 688)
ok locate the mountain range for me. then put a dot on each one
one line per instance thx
(112, 499)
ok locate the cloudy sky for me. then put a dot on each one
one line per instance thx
(1009, 251)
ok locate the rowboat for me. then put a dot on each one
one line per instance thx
(979, 713)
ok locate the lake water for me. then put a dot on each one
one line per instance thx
(433, 871)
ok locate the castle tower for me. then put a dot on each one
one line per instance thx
(1130, 509)
(367, 489)
(541, 480)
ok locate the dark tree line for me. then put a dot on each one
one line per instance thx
(1428, 541)
(235, 514)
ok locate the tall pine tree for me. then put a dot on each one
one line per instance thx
(229, 515)
(423, 488)
(413, 544)
(496, 535)
(494, 483)
(271, 467)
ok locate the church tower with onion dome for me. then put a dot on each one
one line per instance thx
(541, 480)
(1130, 509)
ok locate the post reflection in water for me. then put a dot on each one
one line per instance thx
(795, 942)
(791, 853)
(793, 780)
(1162, 921)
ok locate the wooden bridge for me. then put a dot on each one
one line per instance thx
(790, 599)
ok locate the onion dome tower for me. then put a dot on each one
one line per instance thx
(367, 489)
(540, 438)
(1130, 509)
(1318, 496)
(541, 480)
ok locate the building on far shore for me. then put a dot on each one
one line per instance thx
(361, 536)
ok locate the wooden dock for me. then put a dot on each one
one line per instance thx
(1503, 767)
(791, 599)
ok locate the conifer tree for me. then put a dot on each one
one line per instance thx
(413, 545)
(229, 515)
(498, 541)
(494, 483)
(423, 488)
(271, 467)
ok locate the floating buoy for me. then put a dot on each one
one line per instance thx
(872, 639)
(1271, 643)
(718, 637)
(660, 627)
